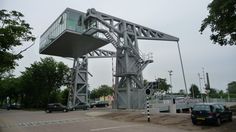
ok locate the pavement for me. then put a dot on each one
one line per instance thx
(81, 121)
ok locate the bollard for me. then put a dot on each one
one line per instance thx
(148, 110)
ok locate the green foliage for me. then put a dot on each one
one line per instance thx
(182, 92)
(222, 21)
(42, 81)
(105, 90)
(94, 94)
(102, 91)
(162, 86)
(213, 93)
(64, 96)
(145, 82)
(232, 87)
(13, 31)
(194, 91)
(38, 85)
(9, 87)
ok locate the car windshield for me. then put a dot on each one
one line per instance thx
(201, 107)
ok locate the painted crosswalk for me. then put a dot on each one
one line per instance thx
(47, 122)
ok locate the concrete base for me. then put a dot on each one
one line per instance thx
(172, 108)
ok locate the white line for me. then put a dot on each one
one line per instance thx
(116, 127)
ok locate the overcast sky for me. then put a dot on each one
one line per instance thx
(180, 18)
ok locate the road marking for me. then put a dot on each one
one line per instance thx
(116, 127)
(49, 122)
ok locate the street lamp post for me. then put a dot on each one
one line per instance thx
(228, 96)
(170, 73)
(200, 84)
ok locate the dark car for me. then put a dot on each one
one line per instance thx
(99, 104)
(15, 106)
(56, 107)
(82, 106)
(92, 104)
(210, 113)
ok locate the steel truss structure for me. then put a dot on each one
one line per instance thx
(124, 35)
(78, 91)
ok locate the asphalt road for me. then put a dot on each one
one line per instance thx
(79, 121)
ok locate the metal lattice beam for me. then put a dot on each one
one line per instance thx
(117, 25)
(99, 53)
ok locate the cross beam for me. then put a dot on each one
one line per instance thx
(116, 24)
(99, 53)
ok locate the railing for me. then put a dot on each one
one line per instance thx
(164, 105)
(53, 31)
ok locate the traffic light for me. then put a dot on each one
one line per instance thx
(148, 91)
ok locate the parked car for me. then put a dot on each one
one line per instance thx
(210, 113)
(56, 107)
(82, 106)
(15, 106)
(99, 104)
(92, 104)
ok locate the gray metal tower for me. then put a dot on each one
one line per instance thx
(78, 91)
(124, 35)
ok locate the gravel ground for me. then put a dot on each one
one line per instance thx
(180, 121)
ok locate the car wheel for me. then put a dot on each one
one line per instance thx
(218, 121)
(230, 118)
(73, 109)
(64, 110)
(48, 111)
(194, 122)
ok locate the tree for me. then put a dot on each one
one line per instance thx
(221, 93)
(222, 21)
(194, 91)
(213, 93)
(13, 31)
(94, 94)
(181, 92)
(232, 87)
(64, 96)
(42, 81)
(105, 90)
(162, 86)
(102, 91)
(9, 87)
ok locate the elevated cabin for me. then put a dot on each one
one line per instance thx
(65, 37)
